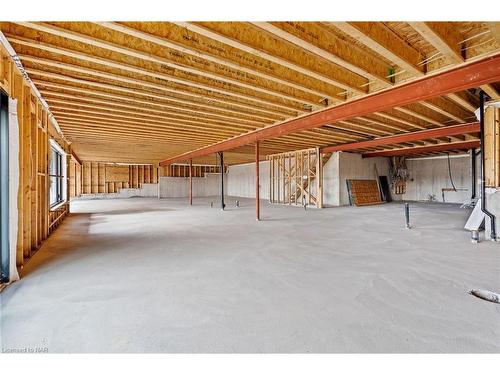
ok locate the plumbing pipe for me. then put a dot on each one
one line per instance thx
(483, 169)
(407, 215)
(473, 172)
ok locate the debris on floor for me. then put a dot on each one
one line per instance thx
(486, 295)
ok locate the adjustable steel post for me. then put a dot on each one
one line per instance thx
(407, 215)
(222, 205)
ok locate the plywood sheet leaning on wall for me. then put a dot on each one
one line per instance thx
(363, 192)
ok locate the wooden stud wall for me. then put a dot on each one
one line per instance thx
(182, 170)
(101, 178)
(35, 220)
(492, 146)
(292, 175)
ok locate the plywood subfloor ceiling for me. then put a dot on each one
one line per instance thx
(142, 92)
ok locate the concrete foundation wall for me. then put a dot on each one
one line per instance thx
(178, 187)
(146, 191)
(429, 176)
(241, 180)
(331, 181)
(493, 206)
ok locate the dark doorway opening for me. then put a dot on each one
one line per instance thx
(4, 187)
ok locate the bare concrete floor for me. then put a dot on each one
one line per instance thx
(143, 275)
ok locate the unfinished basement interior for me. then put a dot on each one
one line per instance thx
(250, 187)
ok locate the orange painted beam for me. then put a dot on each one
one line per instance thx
(464, 77)
(423, 149)
(408, 137)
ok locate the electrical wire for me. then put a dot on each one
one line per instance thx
(449, 173)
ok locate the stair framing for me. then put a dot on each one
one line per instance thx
(296, 178)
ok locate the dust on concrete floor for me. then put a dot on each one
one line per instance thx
(148, 275)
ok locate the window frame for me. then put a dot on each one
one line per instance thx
(59, 174)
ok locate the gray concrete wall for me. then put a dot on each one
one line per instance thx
(146, 190)
(430, 175)
(178, 187)
(241, 180)
(493, 206)
(331, 181)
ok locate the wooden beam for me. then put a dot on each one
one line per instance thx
(381, 39)
(164, 102)
(461, 78)
(385, 42)
(54, 97)
(158, 76)
(408, 137)
(491, 91)
(447, 40)
(82, 38)
(202, 29)
(215, 59)
(171, 96)
(318, 40)
(420, 150)
(494, 27)
(76, 158)
(443, 36)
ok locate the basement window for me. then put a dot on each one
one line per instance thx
(57, 173)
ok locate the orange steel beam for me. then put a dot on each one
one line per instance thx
(420, 150)
(466, 76)
(408, 137)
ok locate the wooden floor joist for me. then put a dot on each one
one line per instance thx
(407, 137)
(426, 149)
(202, 83)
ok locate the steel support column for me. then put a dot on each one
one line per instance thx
(473, 172)
(257, 182)
(222, 204)
(190, 182)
